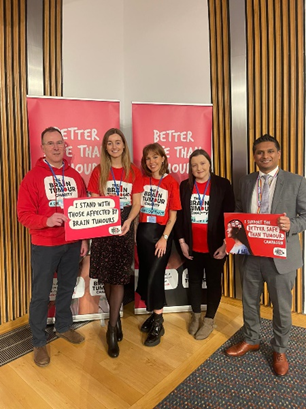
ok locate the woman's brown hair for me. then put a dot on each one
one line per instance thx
(159, 150)
(197, 152)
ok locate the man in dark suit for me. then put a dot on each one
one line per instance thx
(287, 196)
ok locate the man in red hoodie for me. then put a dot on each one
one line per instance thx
(40, 209)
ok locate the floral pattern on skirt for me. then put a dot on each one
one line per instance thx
(111, 257)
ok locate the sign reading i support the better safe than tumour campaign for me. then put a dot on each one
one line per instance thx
(92, 217)
(254, 234)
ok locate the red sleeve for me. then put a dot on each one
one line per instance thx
(82, 187)
(138, 182)
(93, 185)
(175, 201)
(27, 205)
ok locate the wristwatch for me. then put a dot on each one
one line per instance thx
(165, 236)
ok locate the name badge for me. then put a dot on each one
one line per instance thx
(151, 219)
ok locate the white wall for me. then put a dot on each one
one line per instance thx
(136, 50)
(93, 49)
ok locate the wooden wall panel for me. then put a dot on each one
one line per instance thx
(275, 91)
(276, 48)
(53, 48)
(221, 99)
(14, 160)
(15, 268)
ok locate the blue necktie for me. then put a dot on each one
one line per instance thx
(264, 205)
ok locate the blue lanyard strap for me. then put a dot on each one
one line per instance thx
(60, 184)
(151, 190)
(203, 197)
(114, 179)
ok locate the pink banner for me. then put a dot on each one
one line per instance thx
(82, 122)
(180, 129)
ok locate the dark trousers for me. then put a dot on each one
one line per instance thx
(45, 261)
(255, 271)
(213, 271)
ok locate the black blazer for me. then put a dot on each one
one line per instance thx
(221, 200)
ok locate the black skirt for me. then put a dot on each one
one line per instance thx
(111, 257)
(151, 279)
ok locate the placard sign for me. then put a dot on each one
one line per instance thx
(254, 234)
(92, 217)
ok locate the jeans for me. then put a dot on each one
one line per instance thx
(46, 260)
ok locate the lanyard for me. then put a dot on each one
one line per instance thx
(206, 187)
(55, 179)
(118, 188)
(259, 189)
(153, 199)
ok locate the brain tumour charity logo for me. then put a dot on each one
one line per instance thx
(279, 252)
(115, 230)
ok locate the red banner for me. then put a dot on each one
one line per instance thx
(82, 122)
(180, 129)
(254, 234)
(92, 217)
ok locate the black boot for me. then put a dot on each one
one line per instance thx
(119, 330)
(147, 325)
(156, 332)
(111, 338)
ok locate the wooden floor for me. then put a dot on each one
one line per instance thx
(84, 376)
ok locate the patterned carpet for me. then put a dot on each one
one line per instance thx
(245, 382)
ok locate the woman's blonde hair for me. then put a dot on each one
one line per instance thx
(105, 159)
(159, 150)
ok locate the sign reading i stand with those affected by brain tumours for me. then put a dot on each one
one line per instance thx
(254, 234)
(92, 217)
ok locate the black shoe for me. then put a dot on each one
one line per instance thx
(111, 338)
(156, 332)
(147, 325)
(119, 330)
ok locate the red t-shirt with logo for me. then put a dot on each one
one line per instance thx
(199, 216)
(158, 197)
(127, 186)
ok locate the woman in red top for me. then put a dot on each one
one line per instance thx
(159, 204)
(205, 197)
(111, 257)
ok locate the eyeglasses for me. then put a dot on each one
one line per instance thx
(51, 144)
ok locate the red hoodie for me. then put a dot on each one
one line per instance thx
(40, 196)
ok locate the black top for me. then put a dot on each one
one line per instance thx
(221, 201)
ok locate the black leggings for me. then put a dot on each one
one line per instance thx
(213, 271)
(151, 279)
